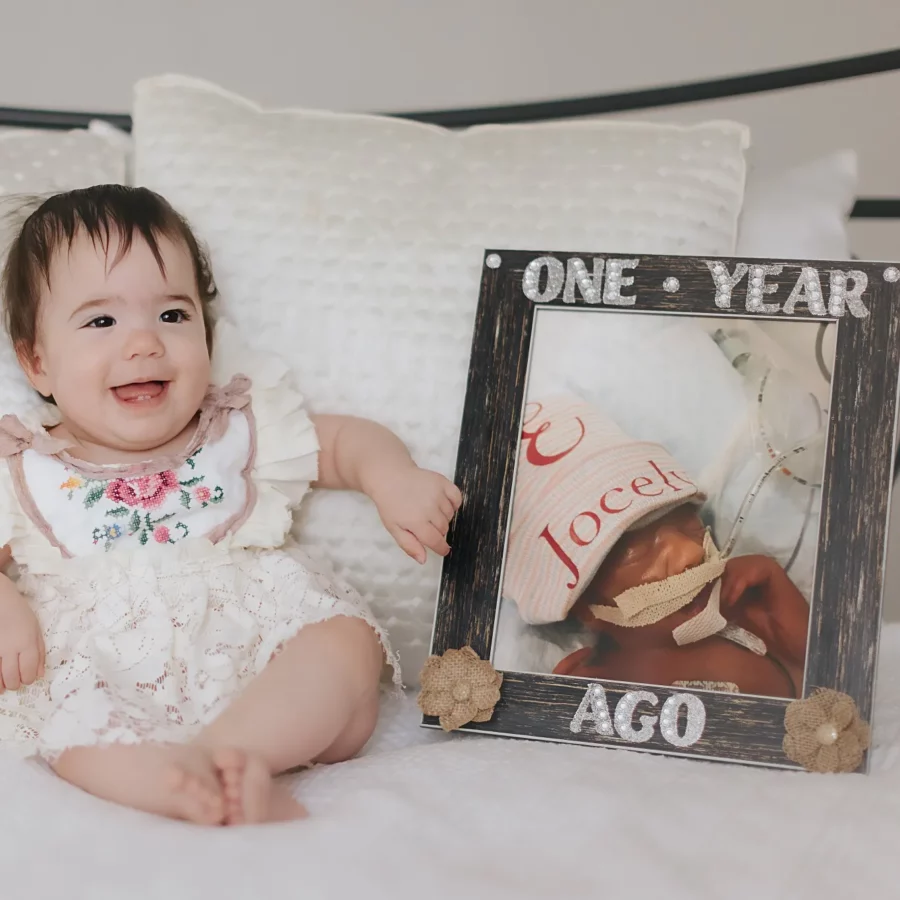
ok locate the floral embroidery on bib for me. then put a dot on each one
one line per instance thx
(135, 503)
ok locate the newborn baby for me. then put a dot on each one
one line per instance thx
(606, 532)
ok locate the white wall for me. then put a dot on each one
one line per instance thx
(390, 54)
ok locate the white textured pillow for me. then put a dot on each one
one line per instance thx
(800, 212)
(39, 162)
(352, 245)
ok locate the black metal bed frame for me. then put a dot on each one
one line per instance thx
(625, 101)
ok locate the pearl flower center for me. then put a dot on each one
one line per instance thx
(827, 734)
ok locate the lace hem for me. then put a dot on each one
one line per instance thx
(81, 721)
(157, 652)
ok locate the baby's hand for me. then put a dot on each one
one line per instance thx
(21, 643)
(416, 506)
(758, 595)
(742, 573)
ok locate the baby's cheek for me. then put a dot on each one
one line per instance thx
(85, 373)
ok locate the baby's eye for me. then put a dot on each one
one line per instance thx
(101, 322)
(174, 316)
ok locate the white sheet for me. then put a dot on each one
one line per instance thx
(422, 814)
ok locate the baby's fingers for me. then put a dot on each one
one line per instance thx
(454, 495)
(440, 522)
(29, 664)
(732, 590)
(409, 544)
(447, 509)
(432, 538)
(9, 666)
(726, 591)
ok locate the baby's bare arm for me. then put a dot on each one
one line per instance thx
(415, 505)
(355, 452)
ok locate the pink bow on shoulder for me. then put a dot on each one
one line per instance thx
(15, 438)
(220, 402)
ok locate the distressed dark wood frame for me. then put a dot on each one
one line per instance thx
(845, 616)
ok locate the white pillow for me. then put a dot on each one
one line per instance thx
(352, 245)
(39, 162)
(36, 164)
(800, 212)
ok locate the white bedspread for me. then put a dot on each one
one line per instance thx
(422, 814)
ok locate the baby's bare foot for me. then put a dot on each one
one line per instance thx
(195, 791)
(283, 807)
(246, 785)
(250, 795)
(178, 781)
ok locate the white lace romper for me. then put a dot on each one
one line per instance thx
(162, 589)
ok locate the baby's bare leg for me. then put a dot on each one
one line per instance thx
(316, 701)
(180, 782)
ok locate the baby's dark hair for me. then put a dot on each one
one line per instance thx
(100, 212)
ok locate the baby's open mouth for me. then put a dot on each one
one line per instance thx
(140, 391)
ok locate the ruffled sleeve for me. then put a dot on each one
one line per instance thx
(14, 524)
(287, 447)
(16, 529)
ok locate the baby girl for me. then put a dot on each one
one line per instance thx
(165, 646)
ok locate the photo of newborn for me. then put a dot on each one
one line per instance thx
(657, 561)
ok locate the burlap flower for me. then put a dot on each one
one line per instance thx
(459, 688)
(825, 732)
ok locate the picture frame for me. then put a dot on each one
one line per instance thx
(824, 725)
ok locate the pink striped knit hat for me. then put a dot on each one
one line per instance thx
(581, 484)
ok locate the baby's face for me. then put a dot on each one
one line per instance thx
(122, 348)
(669, 546)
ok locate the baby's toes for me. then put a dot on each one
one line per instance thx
(193, 799)
(207, 801)
(231, 764)
(234, 806)
(256, 791)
